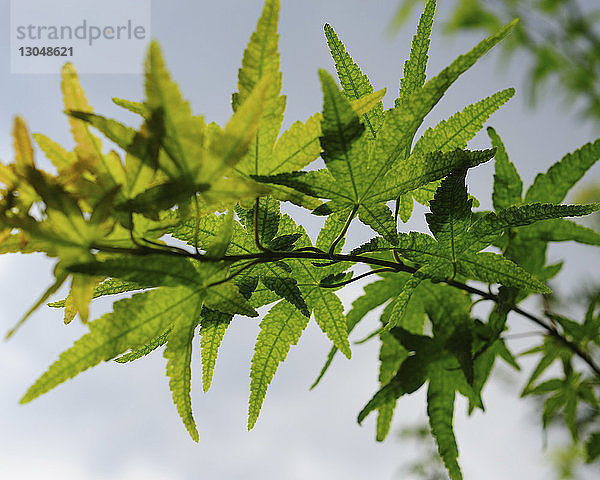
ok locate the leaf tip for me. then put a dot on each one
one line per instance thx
(194, 434)
(346, 351)
(68, 69)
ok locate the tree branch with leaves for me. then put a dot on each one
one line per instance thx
(188, 219)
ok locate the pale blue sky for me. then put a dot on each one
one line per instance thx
(118, 422)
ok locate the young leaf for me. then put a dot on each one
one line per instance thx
(132, 323)
(147, 271)
(87, 146)
(181, 134)
(261, 59)
(109, 286)
(22, 144)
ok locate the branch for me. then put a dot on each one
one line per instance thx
(273, 256)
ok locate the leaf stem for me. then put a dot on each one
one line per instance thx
(234, 274)
(196, 223)
(354, 279)
(255, 227)
(342, 234)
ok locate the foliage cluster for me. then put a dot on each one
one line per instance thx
(560, 37)
(188, 218)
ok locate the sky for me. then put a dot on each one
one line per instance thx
(118, 422)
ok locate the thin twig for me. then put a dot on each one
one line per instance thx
(342, 234)
(196, 224)
(273, 256)
(233, 275)
(255, 227)
(355, 279)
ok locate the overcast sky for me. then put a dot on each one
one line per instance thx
(118, 422)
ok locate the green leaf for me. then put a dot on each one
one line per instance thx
(559, 230)
(146, 349)
(181, 133)
(146, 271)
(391, 355)
(401, 302)
(22, 143)
(592, 447)
(376, 294)
(552, 350)
(450, 213)
(61, 277)
(287, 288)
(279, 329)
(226, 298)
(261, 59)
(415, 66)
(486, 229)
(244, 126)
(440, 409)
(196, 153)
(341, 128)
(296, 147)
(410, 377)
(493, 268)
(401, 123)
(110, 286)
(418, 171)
(385, 415)
(329, 315)
(508, 186)
(449, 135)
(122, 135)
(380, 218)
(135, 107)
(553, 186)
(461, 127)
(60, 158)
(132, 324)
(87, 146)
(218, 247)
(355, 83)
(212, 330)
(267, 219)
(284, 242)
(178, 353)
